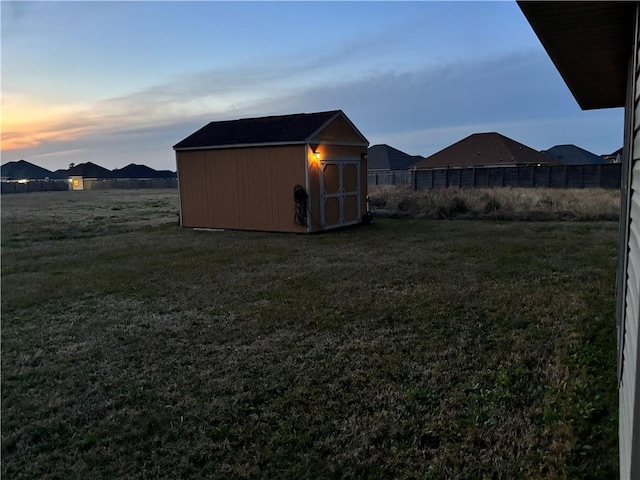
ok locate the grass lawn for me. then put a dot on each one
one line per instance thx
(411, 348)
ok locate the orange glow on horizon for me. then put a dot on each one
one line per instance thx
(26, 123)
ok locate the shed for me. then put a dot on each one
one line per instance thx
(596, 48)
(304, 172)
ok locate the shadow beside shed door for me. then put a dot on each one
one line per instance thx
(339, 193)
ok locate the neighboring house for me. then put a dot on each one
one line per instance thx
(60, 174)
(384, 157)
(89, 170)
(486, 150)
(615, 157)
(81, 176)
(290, 173)
(595, 47)
(134, 171)
(572, 155)
(22, 170)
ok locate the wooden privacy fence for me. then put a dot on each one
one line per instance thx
(606, 175)
(390, 177)
(89, 184)
(34, 186)
(131, 184)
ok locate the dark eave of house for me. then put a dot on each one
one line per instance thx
(590, 45)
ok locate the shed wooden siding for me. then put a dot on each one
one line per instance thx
(334, 152)
(258, 197)
(338, 130)
(629, 296)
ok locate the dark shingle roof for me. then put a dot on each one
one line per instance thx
(572, 155)
(59, 174)
(250, 131)
(22, 169)
(482, 149)
(141, 171)
(384, 157)
(89, 170)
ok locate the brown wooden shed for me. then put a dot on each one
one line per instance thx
(305, 172)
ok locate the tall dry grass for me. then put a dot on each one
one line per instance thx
(498, 203)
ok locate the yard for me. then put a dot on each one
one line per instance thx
(411, 348)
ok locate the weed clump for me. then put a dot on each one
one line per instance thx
(492, 205)
(499, 203)
(454, 207)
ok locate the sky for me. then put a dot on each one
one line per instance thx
(121, 82)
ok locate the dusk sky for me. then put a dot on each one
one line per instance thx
(122, 82)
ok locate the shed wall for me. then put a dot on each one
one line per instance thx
(338, 130)
(629, 296)
(241, 188)
(334, 152)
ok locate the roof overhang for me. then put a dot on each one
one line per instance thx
(240, 145)
(271, 144)
(589, 43)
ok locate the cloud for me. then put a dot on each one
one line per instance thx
(518, 85)
(12, 15)
(420, 111)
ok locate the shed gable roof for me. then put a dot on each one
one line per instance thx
(486, 149)
(280, 129)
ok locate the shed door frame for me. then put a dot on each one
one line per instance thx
(340, 194)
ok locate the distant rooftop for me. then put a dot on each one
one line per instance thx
(486, 149)
(573, 155)
(384, 157)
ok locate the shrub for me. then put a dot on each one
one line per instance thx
(499, 203)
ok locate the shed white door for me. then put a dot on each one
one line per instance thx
(339, 193)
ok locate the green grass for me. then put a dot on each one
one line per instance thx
(132, 348)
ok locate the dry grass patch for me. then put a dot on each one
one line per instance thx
(499, 203)
(406, 349)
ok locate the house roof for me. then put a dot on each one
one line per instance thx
(281, 129)
(613, 154)
(573, 155)
(59, 174)
(384, 157)
(141, 171)
(89, 170)
(590, 45)
(484, 149)
(22, 169)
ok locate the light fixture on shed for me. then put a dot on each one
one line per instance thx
(316, 155)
